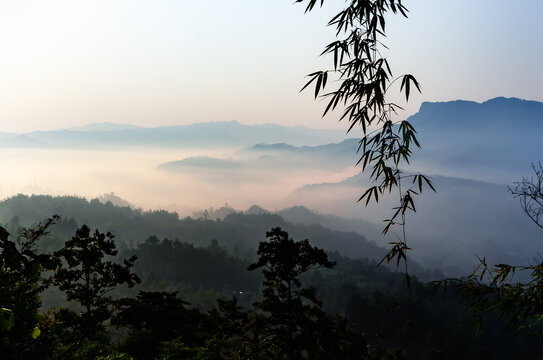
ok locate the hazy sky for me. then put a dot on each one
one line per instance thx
(163, 62)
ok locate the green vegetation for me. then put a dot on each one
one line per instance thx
(361, 92)
(239, 234)
(205, 295)
(202, 303)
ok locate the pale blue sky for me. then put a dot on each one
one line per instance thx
(166, 62)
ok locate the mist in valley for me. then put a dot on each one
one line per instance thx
(188, 180)
(471, 214)
(140, 176)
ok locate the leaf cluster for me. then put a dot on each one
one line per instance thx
(493, 290)
(21, 266)
(364, 78)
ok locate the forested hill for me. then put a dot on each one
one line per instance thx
(236, 230)
(238, 233)
(373, 299)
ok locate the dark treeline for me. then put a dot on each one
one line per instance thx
(178, 301)
(236, 232)
(239, 234)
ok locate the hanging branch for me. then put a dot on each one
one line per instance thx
(364, 78)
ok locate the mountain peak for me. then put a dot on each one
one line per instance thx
(497, 114)
(105, 126)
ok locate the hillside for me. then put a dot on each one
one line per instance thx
(493, 141)
(238, 233)
(463, 219)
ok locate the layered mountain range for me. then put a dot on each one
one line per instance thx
(472, 151)
(199, 135)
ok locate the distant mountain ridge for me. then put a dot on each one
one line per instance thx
(206, 135)
(499, 128)
(201, 162)
(494, 141)
(346, 147)
(105, 126)
(464, 218)
(279, 155)
(494, 116)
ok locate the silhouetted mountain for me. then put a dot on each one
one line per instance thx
(465, 217)
(283, 156)
(497, 116)
(302, 215)
(494, 141)
(214, 214)
(201, 162)
(105, 126)
(115, 200)
(272, 147)
(491, 141)
(200, 135)
(23, 140)
(345, 149)
(256, 210)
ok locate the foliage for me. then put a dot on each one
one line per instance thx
(86, 277)
(488, 289)
(20, 275)
(364, 78)
(176, 262)
(162, 325)
(232, 326)
(157, 317)
(295, 325)
(530, 193)
(175, 349)
(239, 234)
(494, 289)
(99, 348)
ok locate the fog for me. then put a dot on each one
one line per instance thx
(188, 169)
(132, 174)
(464, 219)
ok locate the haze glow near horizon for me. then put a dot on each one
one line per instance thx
(69, 63)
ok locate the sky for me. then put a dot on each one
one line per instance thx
(67, 63)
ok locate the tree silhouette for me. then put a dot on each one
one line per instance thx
(363, 81)
(529, 191)
(295, 324)
(155, 317)
(21, 282)
(87, 278)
